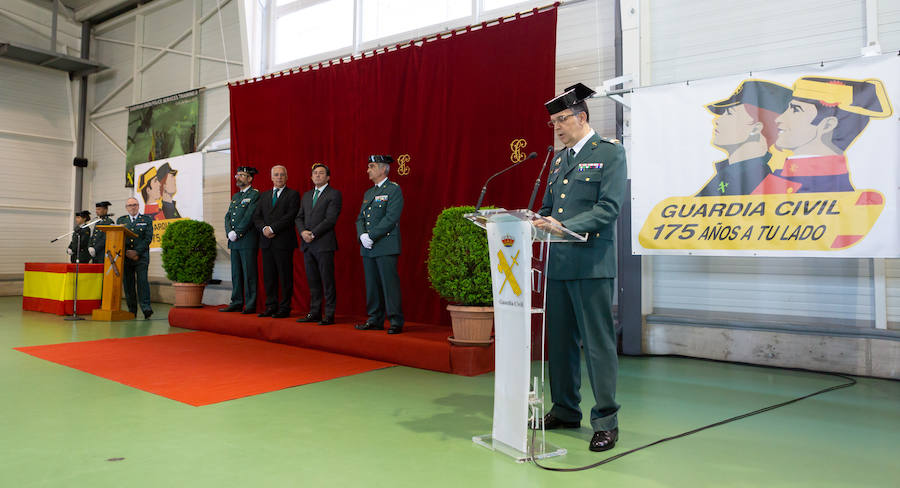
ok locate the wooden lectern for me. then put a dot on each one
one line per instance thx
(113, 270)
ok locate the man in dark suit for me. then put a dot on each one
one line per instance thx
(274, 218)
(243, 242)
(137, 254)
(379, 235)
(584, 193)
(319, 210)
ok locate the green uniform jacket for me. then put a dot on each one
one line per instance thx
(80, 252)
(239, 219)
(143, 227)
(380, 216)
(98, 238)
(585, 193)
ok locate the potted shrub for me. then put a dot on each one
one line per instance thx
(188, 257)
(459, 270)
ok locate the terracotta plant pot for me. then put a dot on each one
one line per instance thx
(189, 295)
(472, 326)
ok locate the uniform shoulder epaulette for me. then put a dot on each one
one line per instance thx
(393, 183)
(254, 190)
(611, 140)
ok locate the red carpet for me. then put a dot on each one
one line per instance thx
(420, 345)
(200, 368)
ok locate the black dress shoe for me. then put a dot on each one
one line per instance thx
(604, 440)
(368, 326)
(248, 311)
(309, 318)
(267, 313)
(282, 314)
(395, 329)
(550, 422)
(326, 321)
(148, 313)
(231, 308)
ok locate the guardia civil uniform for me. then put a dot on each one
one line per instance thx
(584, 192)
(379, 217)
(239, 218)
(98, 238)
(137, 286)
(81, 236)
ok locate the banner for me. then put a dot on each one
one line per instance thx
(156, 185)
(798, 161)
(160, 129)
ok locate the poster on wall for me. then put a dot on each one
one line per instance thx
(169, 190)
(160, 129)
(799, 161)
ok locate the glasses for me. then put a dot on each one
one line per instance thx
(245, 175)
(559, 120)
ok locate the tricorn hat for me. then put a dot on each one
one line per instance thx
(381, 158)
(572, 95)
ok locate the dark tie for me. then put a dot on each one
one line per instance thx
(274, 196)
(572, 153)
(315, 196)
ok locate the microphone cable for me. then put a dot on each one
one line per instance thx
(849, 382)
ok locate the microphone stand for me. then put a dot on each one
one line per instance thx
(537, 182)
(77, 255)
(504, 170)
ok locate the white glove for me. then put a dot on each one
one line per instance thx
(69, 251)
(366, 241)
(92, 251)
(232, 236)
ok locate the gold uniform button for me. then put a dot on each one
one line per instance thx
(562, 195)
(566, 181)
(559, 211)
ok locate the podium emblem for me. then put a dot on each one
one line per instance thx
(507, 271)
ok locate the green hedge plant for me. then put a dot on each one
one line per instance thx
(459, 267)
(189, 251)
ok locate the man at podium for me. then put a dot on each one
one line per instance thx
(584, 193)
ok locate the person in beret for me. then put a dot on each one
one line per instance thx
(242, 242)
(97, 246)
(745, 129)
(168, 187)
(584, 193)
(319, 211)
(137, 258)
(379, 235)
(824, 117)
(78, 246)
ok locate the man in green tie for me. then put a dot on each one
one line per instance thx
(319, 211)
(584, 194)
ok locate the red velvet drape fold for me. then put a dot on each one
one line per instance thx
(454, 106)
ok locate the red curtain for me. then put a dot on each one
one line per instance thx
(453, 105)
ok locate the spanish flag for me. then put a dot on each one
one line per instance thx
(50, 287)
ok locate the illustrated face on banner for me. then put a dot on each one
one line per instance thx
(169, 186)
(320, 176)
(734, 127)
(279, 176)
(796, 128)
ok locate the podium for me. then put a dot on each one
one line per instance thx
(113, 271)
(517, 273)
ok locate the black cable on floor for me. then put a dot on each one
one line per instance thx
(850, 382)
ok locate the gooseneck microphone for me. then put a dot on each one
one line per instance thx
(504, 170)
(537, 182)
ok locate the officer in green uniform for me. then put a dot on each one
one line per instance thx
(98, 238)
(243, 242)
(78, 246)
(379, 237)
(584, 193)
(137, 258)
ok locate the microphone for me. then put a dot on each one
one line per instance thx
(537, 182)
(504, 170)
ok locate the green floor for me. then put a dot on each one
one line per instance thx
(401, 427)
